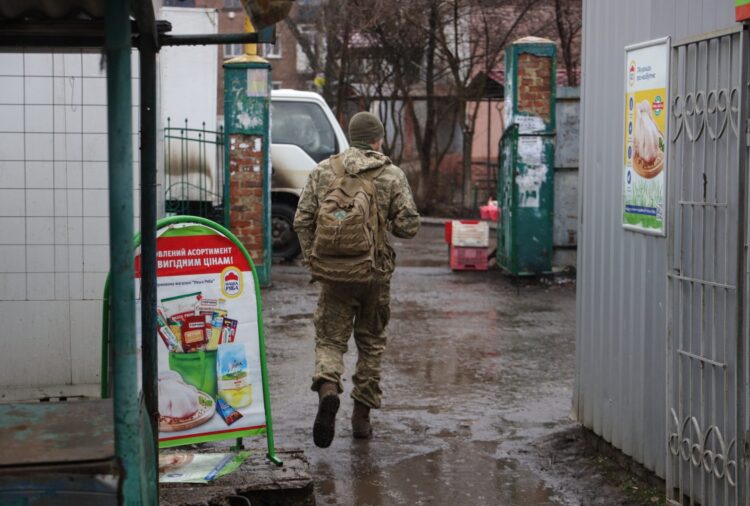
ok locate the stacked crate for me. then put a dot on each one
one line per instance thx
(469, 241)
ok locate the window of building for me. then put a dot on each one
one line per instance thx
(272, 50)
(232, 50)
(232, 4)
(275, 85)
(179, 3)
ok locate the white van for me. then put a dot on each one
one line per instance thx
(304, 132)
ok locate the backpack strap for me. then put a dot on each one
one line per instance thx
(370, 176)
(338, 166)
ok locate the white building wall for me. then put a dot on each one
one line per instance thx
(54, 254)
(187, 91)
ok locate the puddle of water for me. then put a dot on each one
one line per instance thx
(475, 368)
(438, 477)
(294, 317)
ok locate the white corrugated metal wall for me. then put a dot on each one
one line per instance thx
(621, 311)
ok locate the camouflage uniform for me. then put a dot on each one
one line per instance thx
(362, 308)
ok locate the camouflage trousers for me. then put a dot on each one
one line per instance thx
(363, 309)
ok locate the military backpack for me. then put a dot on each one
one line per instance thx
(348, 229)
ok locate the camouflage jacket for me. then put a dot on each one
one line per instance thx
(393, 196)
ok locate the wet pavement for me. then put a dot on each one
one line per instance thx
(477, 372)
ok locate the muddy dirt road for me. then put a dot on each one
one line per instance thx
(477, 372)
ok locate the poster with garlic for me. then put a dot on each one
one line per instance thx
(645, 143)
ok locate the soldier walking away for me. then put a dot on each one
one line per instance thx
(349, 204)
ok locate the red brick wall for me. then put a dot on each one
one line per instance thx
(534, 85)
(246, 190)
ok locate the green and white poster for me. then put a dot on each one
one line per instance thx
(645, 139)
(211, 368)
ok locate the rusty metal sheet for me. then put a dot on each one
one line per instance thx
(56, 432)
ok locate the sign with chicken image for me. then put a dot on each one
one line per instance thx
(645, 146)
(212, 381)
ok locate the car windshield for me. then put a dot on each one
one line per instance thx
(304, 125)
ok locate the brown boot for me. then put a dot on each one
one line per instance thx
(361, 428)
(325, 421)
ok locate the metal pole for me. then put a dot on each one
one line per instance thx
(147, 52)
(266, 35)
(489, 143)
(106, 385)
(126, 398)
(742, 330)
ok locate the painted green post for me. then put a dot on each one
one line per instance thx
(126, 397)
(247, 99)
(527, 159)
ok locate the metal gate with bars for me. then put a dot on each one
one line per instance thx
(195, 173)
(707, 269)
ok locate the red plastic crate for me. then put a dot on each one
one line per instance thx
(448, 231)
(490, 213)
(468, 258)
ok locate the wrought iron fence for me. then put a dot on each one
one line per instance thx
(195, 172)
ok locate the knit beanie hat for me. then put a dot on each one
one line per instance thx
(365, 127)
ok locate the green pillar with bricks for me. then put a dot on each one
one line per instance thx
(247, 97)
(527, 159)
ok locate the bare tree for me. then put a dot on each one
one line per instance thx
(321, 31)
(472, 42)
(423, 63)
(569, 20)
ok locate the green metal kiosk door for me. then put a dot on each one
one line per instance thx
(527, 159)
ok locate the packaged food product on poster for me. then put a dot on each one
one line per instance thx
(194, 333)
(232, 370)
(169, 340)
(180, 307)
(209, 306)
(166, 334)
(217, 324)
(227, 412)
(207, 328)
(221, 312)
(176, 328)
(228, 331)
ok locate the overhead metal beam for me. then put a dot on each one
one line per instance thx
(264, 36)
(57, 33)
(91, 34)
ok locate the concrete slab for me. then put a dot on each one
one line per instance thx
(257, 480)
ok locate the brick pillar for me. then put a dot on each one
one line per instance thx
(535, 86)
(246, 189)
(247, 101)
